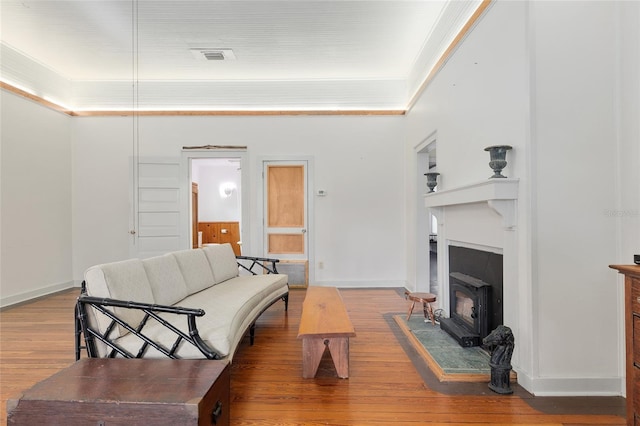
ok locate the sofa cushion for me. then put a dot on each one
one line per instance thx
(166, 280)
(223, 261)
(266, 289)
(195, 269)
(231, 307)
(125, 280)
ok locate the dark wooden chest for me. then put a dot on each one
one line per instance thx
(109, 392)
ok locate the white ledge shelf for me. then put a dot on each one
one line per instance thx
(500, 194)
(492, 189)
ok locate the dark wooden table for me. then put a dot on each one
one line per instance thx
(106, 392)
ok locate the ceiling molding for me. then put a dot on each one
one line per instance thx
(236, 113)
(457, 41)
(129, 113)
(35, 98)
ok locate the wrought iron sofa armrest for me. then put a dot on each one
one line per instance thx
(151, 311)
(139, 305)
(259, 261)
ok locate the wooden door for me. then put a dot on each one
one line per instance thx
(286, 209)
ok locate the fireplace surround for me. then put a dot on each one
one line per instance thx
(475, 204)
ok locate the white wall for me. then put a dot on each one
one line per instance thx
(102, 148)
(574, 146)
(212, 206)
(627, 209)
(358, 231)
(626, 213)
(35, 200)
(548, 79)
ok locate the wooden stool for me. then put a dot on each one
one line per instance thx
(426, 299)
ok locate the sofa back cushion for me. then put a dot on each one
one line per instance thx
(195, 269)
(125, 280)
(166, 280)
(223, 262)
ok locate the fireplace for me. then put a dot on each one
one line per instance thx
(468, 322)
(475, 295)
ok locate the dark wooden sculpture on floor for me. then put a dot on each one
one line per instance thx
(502, 343)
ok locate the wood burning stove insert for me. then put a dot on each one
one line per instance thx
(468, 322)
(475, 295)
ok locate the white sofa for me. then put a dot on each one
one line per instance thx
(185, 304)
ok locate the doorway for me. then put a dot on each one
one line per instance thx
(426, 222)
(164, 205)
(217, 207)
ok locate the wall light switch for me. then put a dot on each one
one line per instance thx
(321, 193)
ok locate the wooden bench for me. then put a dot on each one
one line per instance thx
(324, 324)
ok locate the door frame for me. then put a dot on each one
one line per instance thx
(190, 154)
(310, 234)
(422, 152)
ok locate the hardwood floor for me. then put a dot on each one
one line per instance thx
(385, 385)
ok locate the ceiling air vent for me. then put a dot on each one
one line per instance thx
(210, 54)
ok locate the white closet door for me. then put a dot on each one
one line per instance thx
(157, 207)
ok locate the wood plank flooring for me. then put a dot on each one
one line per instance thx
(386, 385)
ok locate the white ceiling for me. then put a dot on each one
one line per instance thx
(290, 54)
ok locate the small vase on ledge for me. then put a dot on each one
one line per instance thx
(432, 180)
(498, 155)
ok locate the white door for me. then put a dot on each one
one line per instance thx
(156, 221)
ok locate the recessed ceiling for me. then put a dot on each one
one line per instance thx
(289, 54)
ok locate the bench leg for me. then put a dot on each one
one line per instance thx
(312, 351)
(313, 348)
(339, 349)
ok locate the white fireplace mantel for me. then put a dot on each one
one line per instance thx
(500, 194)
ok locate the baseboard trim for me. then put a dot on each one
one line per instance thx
(27, 296)
(570, 386)
(360, 284)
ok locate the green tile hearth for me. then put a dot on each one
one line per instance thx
(450, 356)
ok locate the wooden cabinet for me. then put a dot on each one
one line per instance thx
(220, 233)
(115, 391)
(632, 335)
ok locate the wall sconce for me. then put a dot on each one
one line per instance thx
(226, 189)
